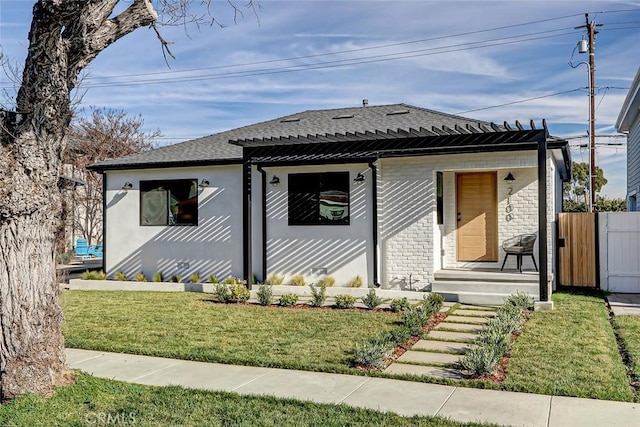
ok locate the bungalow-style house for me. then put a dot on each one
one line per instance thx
(629, 122)
(395, 194)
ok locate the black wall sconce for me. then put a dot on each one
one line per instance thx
(359, 178)
(274, 181)
(509, 178)
(204, 183)
(127, 186)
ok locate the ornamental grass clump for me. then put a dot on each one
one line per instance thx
(371, 300)
(264, 294)
(93, 275)
(194, 278)
(297, 280)
(356, 282)
(318, 294)
(328, 281)
(275, 280)
(176, 278)
(140, 277)
(157, 277)
(120, 276)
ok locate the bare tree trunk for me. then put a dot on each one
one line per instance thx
(65, 37)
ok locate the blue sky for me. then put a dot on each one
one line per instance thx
(478, 59)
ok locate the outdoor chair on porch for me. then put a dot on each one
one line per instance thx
(519, 246)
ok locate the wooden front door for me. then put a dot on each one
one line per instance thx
(477, 216)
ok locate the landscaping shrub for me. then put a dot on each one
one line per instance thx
(356, 282)
(93, 275)
(213, 278)
(176, 278)
(222, 292)
(275, 280)
(371, 300)
(415, 317)
(140, 277)
(287, 300)
(318, 294)
(195, 278)
(297, 280)
(230, 280)
(373, 354)
(495, 339)
(265, 294)
(345, 301)
(328, 281)
(239, 292)
(399, 304)
(157, 277)
(121, 276)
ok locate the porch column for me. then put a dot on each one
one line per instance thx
(542, 218)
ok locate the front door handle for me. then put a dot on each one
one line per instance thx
(459, 217)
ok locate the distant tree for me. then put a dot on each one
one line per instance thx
(106, 134)
(604, 204)
(576, 191)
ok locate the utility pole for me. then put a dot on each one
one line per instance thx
(591, 33)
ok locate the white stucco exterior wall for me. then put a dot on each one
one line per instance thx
(214, 246)
(343, 251)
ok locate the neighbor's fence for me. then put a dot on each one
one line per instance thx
(619, 246)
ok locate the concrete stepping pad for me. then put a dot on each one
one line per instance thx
(475, 313)
(466, 319)
(426, 358)
(476, 307)
(441, 346)
(452, 336)
(462, 327)
(419, 370)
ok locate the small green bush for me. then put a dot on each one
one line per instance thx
(297, 280)
(399, 304)
(318, 294)
(373, 354)
(213, 278)
(521, 300)
(194, 278)
(265, 294)
(222, 292)
(239, 292)
(121, 276)
(345, 301)
(93, 275)
(158, 277)
(481, 360)
(328, 281)
(413, 320)
(275, 280)
(356, 282)
(287, 300)
(230, 280)
(140, 277)
(371, 300)
(176, 278)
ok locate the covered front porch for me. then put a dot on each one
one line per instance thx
(484, 285)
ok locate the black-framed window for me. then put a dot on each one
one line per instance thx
(440, 197)
(319, 198)
(169, 202)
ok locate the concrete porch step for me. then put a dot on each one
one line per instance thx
(486, 276)
(478, 297)
(484, 286)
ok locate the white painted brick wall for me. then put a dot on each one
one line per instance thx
(409, 236)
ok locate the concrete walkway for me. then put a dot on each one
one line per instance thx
(624, 304)
(438, 354)
(402, 397)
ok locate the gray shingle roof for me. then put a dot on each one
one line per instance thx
(217, 149)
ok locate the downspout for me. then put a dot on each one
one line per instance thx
(246, 221)
(542, 218)
(263, 221)
(374, 219)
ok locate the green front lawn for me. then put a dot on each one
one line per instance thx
(570, 351)
(95, 401)
(191, 326)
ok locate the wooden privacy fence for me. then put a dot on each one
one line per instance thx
(577, 249)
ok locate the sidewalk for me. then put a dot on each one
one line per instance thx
(402, 397)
